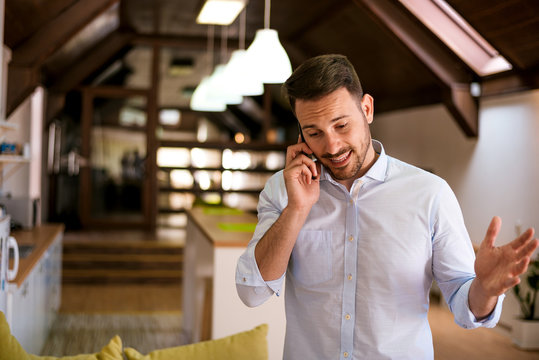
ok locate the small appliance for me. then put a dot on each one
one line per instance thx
(7, 244)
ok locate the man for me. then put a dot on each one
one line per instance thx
(361, 236)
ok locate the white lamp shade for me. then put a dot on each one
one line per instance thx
(269, 57)
(220, 89)
(200, 100)
(241, 74)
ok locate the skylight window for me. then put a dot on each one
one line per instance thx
(458, 35)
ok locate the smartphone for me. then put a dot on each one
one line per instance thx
(301, 133)
(311, 156)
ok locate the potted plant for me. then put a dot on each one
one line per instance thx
(526, 330)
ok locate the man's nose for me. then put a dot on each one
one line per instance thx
(332, 145)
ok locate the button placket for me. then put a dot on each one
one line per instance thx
(348, 303)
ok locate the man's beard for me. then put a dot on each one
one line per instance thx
(351, 170)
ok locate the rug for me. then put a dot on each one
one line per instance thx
(73, 334)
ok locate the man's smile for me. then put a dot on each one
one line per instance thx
(341, 160)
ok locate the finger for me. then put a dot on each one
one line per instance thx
(318, 167)
(528, 249)
(293, 151)
(521, 266)
(522, 239)
(307, 174)
(492, 232)
(304, 159)
(301, 172)
(510, 282)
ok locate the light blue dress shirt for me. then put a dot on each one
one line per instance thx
(358, 279)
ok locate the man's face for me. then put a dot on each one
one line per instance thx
(336, 128)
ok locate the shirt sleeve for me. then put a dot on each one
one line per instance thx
(453, 261)
(252, 289)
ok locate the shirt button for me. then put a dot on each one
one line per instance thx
(349, 276)
(244, 279)
(351, 202)
(345, 354)
(347, 317)
(350, 238)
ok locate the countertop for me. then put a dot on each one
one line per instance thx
(224, 227)
(41, 237)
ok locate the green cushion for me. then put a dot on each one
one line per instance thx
(248, 345)
(11, 349)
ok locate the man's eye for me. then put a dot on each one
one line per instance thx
(313, 134)
(342, 126)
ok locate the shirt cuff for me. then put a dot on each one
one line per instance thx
(464, 316)
(248, 274)
(276, 285)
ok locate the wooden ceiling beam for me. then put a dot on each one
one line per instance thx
(180, 41)
(21, 82)
(429, 50)
(325, 16)
(91, 61)
(510, 83)
(49, 38)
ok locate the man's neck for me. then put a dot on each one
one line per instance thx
(370, 159)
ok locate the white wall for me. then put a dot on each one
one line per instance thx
(17, 181)
(496, 174)
(25, 180)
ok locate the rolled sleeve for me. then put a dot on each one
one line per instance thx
(453, 261)
(464, 316)
(251, 287)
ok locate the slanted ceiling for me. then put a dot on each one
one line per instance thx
(63, 44)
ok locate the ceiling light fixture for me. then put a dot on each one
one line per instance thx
(200, 101)
(267, 53)
(220, 88)
(240, 73)
(220, 12)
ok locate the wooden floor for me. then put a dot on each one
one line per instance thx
(120, 298)
(450, 341)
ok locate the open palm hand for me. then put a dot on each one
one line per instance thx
(498, 268)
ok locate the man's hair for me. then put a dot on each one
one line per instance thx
(319, 76)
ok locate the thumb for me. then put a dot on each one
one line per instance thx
(492, 232)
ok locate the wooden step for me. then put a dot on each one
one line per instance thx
(115, 249)
(119, 262)
(99, 257)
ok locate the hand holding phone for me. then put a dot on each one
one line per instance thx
(301, 177)
(311, 156)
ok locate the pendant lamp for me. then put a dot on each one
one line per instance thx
(200, 101)
(240, 72)
(220, 89)
(219, 85)
(268, 55)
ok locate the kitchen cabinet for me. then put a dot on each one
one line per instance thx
(34, 296)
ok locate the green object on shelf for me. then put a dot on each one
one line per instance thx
(237, 227)
(219, 210)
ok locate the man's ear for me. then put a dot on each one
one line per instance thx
(367, 106)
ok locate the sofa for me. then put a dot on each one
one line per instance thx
(251, 344)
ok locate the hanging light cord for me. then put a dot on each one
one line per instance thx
(224, 49)
(242, 28)
(267, 9)
(211, 31)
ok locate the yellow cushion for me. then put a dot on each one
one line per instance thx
(11, 349)
(251, 345)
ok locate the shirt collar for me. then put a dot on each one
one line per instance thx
(377, 171)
